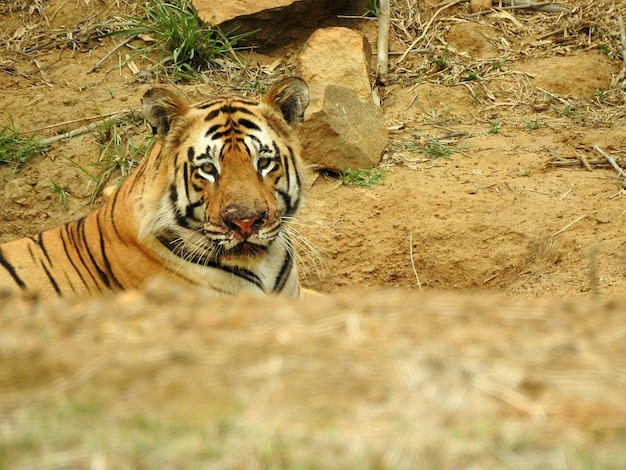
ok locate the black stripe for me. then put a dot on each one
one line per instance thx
(207, 105)
(220, 135)
(234, 99)
(292, 206)
(212, 115)
(230, 109)
(248, 124)
(140, 170)
(289, 207)
(186, 178)
(212, 129)
(180, 218)
(130, 182)
(63, 235)
(75, 241)
(112, 216)
(105, 258)
(189, 211)
(40, 243)
(51, 278)
(284, 273)
(209, 262)
(295, 170)
(6, 265)
(101, 274)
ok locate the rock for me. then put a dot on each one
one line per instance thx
(278, 22)
(343, 127)
(479, 41)
(335, 56)
(19, 191)
(479, 5)
(346, 133)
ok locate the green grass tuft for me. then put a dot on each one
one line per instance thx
(120, 151)
(533, 125)
(367, 177)
(16, 150)
(61, 191)
(435, 150)
(188, 47)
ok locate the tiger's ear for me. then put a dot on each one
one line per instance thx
(291, 97)
(160, 107)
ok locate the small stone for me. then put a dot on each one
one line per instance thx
(479, 5)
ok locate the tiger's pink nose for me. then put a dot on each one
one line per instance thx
(246, 227)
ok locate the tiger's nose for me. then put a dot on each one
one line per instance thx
(246, 227)
(244, 223)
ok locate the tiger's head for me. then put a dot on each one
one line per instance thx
(225, 174)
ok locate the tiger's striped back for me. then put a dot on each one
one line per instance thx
(209, 205)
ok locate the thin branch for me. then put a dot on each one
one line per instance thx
(584, 161)
(569, 225)
(611, 160)
(622, 35)
(99, 117)
(111, 52)
(541, 6)
(382, 67)
(88, 128)
(419, 284)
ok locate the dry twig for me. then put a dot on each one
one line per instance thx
(111, 52)
(541, 6)
(622, 36)
(419, 284)
(384, 13)
(611, 160)
(563, 229)
(584, 161)
(99, 117)
(87, 128)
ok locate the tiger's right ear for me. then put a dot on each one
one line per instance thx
(160, 107)
(291, 97)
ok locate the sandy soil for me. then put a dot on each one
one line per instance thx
(497, 216)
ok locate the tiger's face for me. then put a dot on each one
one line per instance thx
(237, 175)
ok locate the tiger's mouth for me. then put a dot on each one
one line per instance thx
(246, 248)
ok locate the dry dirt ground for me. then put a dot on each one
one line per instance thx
(497, 339)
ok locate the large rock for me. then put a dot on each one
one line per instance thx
(346, 133)
(279, 22)
(343, 128)
(335, 56)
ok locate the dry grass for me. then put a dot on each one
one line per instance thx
(499, 89)
(520, 34)
(362, 380)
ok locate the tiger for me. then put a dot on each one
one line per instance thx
(211, 204)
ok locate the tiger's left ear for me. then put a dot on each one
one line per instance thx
(160, 107)
(291, 97)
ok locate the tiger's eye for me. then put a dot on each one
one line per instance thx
(209, 169)
(264, 163)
